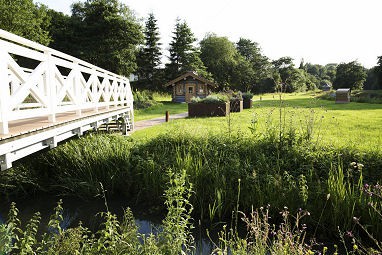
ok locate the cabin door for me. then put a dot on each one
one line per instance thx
(190, 92)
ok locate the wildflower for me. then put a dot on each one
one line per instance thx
(349, 234)
(355, 247)
(327, 196)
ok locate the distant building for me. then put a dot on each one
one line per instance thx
(189, 85)
(343, 96)
(133, 77)
(326, 87)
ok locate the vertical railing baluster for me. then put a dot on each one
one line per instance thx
(79, 98)
(94, 87)
(4, 93)
(50, 87)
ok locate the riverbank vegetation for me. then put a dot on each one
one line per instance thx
(236, 163)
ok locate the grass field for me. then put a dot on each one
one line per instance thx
(352, 125)
(299, 153)
(159, 110)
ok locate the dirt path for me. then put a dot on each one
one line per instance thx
(149, 123)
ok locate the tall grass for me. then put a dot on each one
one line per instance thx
(122, 237)
(282, 164)
(294, 174)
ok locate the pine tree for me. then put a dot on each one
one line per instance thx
(149, 58)
(184, 56)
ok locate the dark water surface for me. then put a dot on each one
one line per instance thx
(88, 212)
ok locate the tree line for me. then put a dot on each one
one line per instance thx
(108, 34)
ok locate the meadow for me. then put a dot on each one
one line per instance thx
(341, 125)
(295, 155)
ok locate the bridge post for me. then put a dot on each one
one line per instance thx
(4, 93)
(95, 83)
(51, 87)
(77, 88)
(5, 162)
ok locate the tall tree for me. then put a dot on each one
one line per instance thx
(63, 32)
(220, 57)
(149, 57)
(379, 72)
(102, 32)
(24, 18)
(259, 63)
(184, 56)
(350, 75)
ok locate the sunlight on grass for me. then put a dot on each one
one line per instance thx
(160, 109)
(354, 124)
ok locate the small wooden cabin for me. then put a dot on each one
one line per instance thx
(342, 96)
(190, 85)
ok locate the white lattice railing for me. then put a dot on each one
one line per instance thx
(39, 81)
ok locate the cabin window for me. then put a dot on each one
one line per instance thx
(180, 90)
(190, 90)
(201, 90)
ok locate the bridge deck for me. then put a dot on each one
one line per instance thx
(27, 126)
(31, 135)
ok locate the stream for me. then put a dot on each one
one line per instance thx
(87, 212)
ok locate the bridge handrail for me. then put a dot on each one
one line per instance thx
(31, 44)
(44, 91)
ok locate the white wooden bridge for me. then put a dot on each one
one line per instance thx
(47, 96)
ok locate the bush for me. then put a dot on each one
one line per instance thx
(234, 96)
(247, 95)
(211, 99)
(143, 99)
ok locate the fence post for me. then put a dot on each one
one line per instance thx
(77, 88)
(50, 86)
(94, 89)
(4, 93)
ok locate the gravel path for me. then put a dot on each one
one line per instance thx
(149, 123)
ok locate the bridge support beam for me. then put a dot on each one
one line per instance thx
(5, 163)
(4, 93)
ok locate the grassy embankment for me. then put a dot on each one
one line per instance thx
(354, 125)
(291, 153)
(160, 109)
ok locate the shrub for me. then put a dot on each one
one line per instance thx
(247, 95)
(143, 99)
(211, 99)
(234, 96)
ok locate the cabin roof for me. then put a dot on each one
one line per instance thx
(193, 75)
(344, 90)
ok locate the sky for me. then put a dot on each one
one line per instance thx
(318, 31)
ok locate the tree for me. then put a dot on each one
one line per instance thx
(149, 57)
(350, 75)
(26, 19)
(291, 79)
(184, 56)
(331, 70)
(62, 31)
(220, 57)
(259, 63)
(102, 32)
(379, 72)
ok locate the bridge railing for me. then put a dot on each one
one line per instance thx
(36, 81)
